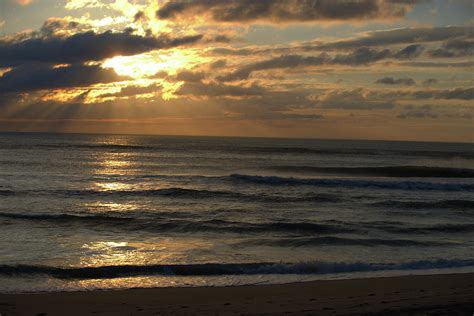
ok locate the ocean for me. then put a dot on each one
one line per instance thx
(83, 212)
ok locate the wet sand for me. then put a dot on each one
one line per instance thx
(450, 294)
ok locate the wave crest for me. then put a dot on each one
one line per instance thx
(443, 204)
(180, 225)
(349, 183)
(216, 269)
(338, 241)
(395, 172)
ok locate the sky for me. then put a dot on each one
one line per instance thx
(347, 69)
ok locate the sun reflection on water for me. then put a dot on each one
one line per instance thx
(100, 206)
(118, 163)
(113, 164)
(101, 253)
(113, 186)
(114, 171)
(156, 251)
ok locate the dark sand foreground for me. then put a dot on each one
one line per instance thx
(409, 295)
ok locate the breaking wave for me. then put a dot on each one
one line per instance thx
(396, 172)
(349, 183)
(443, 204)
(217, 269)
(338, 241)
(179, 225)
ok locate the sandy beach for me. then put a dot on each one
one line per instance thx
(451, 294)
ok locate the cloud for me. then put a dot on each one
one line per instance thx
(428, 64)
(428, 111)
(358, 99)
(286, 61)
(221, 63)
(234, 51)
(457, 43)
(199, 89)
(359, 57)
(131, 91)
(189, 76)
(417, 114)
(219, 39)
(31, 78)
(430, 81)
(58, 27)
(393, 81)
(457, 93)
(79, 4)
(363, 99)
(411, 51)
(401, 36)
(82, 47)
(454, 48)
(458, 37)
(448, 94)
(298, 117)
(285, 11)
(140, 15)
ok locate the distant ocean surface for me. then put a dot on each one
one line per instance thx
(81, 212)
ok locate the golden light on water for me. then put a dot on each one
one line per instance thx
(155, 250)
(132, 250)
(113, 186)
(101, 206)
(112, 164)
(109, 252)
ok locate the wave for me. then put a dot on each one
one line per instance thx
(218, 269)
(357, 151)
(176, 192)
(349, 183)
(443, 228)
(403, 227)
(174, 222)
(64, 217)
(165, 192)
(396, 171)
(442, 204)
(7, 193)
(178, 225)
(338, 241)
(320, 198)
(184, 194)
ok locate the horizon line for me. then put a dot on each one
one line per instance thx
(249, 137)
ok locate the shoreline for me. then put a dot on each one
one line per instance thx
(400, 295)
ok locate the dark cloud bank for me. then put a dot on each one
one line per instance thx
(31, 78)
(82, 47)
(286, 11)
(33, 59)
(399, 81)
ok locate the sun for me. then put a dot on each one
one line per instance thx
(150, 64)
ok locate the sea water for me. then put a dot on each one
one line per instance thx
(81, 212)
